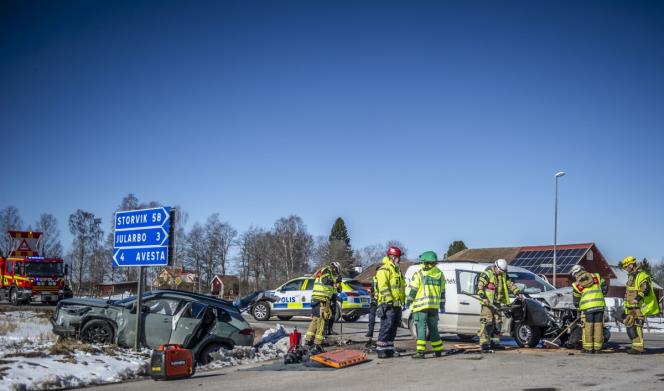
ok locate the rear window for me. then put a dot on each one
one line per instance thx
(355, 285)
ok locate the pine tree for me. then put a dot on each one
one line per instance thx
(645, 266)
(455, 247)
(340, 249)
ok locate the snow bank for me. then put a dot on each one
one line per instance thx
(242, 355)
(31, 359)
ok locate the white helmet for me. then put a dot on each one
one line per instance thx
(577, 269)
(501, 264)
(337, 265)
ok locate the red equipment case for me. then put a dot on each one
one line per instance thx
(171, 361)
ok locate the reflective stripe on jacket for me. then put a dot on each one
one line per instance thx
(390, 284)
(590, 296)
(427, 289)
(495, 287)
(640, 287)
(323, 285)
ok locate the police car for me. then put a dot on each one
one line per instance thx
(294, 299)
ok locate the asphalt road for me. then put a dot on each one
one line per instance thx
(512, 369)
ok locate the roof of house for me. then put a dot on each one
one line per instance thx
(537, 259)
(486, 254)
(367, 274)
(226, 279)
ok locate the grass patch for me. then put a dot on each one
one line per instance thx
(67, 347)
(8, 326)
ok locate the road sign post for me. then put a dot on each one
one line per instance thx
(143, 238)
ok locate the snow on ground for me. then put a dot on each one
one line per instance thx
(242, 355)
(31, 359)
(652, 325)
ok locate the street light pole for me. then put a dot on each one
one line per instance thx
(555, 229)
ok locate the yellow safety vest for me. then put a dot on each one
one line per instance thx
(390, 284)
(322, 291)
(492, 283)
(427, 289)
(591, 297)
(649, 305)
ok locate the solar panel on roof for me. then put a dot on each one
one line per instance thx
(541, 261)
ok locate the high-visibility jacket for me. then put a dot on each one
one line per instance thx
(323, 285)
(588, 290)
(427, 289)
(495, 287)
(639, 287)
(390, 284)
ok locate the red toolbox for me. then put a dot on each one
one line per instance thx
(171, 362)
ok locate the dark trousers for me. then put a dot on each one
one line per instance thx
(372, 319)
(389, 323)
(333, 307)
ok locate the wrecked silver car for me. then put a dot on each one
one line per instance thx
(200, 323)
(559, 304)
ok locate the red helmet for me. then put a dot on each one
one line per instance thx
(394, 251)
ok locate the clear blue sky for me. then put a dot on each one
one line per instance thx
(422, 122)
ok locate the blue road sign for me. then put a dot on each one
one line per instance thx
(155, 217)
(142, 237)
(149, 256)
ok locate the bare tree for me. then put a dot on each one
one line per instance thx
(294, 245)
(196, 251)
(87, 232)
(49, 243)
(10, 220)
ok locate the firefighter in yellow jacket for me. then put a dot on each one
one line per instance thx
(640, 302)
(426, 297)
(493, 288)
(390, 288)
(324, 288)
(588, 292)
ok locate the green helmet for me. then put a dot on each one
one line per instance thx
(428, 257)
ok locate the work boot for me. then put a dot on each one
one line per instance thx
(586, 351)
(370, 344)
(308, 344)
(385, 353)
(418, 355)
(438, 354)
(497, 346)
(369, 335)
(485, 347)
(316, 349)
(634, 351)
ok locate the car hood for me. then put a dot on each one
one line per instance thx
(558, 298)
(87, 302)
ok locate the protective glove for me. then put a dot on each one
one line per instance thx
(407, 305)
(441, 309)
(520, 296)
(485, 302)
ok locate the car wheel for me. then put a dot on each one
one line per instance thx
(97, 331)
(284, 317)
(13, 297)
(466, 337)
(261, 311)
(527, 336)
(351, 318)
(205, 356)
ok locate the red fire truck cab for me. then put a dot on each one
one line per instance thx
(26, 277)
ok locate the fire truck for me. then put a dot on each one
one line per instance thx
(27, 277)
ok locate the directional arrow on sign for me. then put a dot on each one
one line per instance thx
(141, 237)
(149, 256)
(154, 217)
